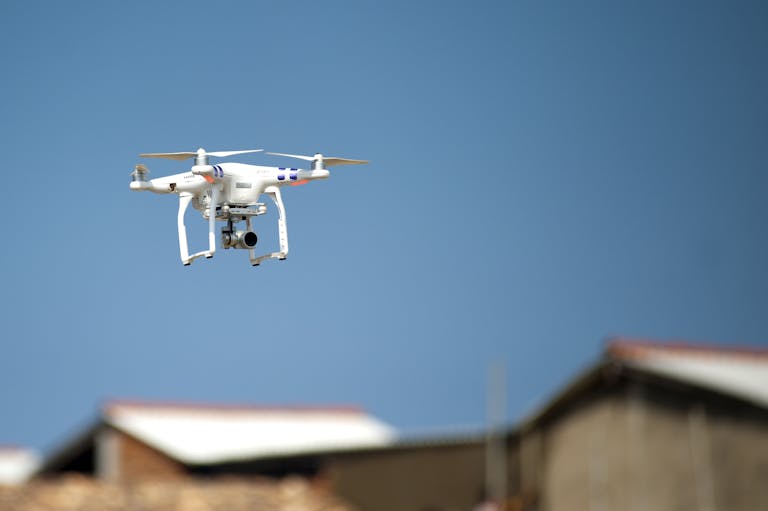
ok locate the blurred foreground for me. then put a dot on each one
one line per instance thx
(73, 492)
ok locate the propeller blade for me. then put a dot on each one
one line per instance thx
(299, 156)
(224, 154)
(330, 161)
(170, 156)
(185, 155)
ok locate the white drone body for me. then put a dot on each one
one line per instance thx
(230, 192)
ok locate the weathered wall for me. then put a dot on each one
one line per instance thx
(584, 457)
(639, 446)
(444, 477)
(739, 458)
(137, 461)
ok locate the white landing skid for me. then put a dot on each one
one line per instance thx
(228, 213)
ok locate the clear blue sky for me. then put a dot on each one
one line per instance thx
(543, 175)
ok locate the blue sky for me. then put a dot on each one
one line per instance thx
(543, 175)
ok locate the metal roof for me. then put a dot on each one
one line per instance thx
(738, 372)
(200, 434)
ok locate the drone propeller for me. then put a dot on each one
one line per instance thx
(201, 154)
(319, 161)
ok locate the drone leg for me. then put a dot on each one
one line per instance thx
(282, 229)
(212, 222)
(184, 200)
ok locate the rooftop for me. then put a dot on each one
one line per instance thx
(736, 371)
(200, 434)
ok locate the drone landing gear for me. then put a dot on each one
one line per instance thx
(282, 230)
(186, 259)
(230, 237)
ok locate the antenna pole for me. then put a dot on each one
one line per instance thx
(496, 442)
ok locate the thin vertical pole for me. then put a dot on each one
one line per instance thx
(496, 445)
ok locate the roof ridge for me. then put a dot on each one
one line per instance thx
(628, 348)
(110, 405)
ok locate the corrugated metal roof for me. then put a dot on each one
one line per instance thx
(200, 434)
(739, 372)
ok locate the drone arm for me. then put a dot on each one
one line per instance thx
(282, 229)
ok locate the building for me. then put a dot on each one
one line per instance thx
(663, 426)
(134, 440)
(651, 426)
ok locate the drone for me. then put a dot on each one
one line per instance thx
(230, 192)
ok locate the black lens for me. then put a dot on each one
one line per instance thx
(250, 239)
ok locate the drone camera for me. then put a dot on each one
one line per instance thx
(239, 239)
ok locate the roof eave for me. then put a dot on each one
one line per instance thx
(604, 370)
(70, 449)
